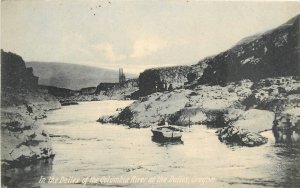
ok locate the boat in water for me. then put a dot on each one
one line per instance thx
(167, 133)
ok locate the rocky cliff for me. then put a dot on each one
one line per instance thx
(271, 54)
(22, 104)
(14, 73)
(161, 79)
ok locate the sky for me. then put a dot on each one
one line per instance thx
(133, 34)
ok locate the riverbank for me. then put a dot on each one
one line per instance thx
(253, 106)
(24, 141)
(22, 104)
(100, 93)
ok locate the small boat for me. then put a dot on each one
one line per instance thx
(167, 133)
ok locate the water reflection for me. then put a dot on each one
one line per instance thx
(163, 142)
(287, 143)
(27, 176)
(286, 136)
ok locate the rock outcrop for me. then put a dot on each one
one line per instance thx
(216, 106)
(150, 110)
(58, 92)
(168, 78)
(271, 54)
(237, 136)
(22, 104)
(14, 73)
(104, 91)
(88, 90)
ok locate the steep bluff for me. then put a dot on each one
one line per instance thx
(22, 104)
(14, 73)
(271, 54)
(160, 79)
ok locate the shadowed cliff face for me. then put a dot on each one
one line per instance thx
(271, 54)
(14, 73)
(160, 79)
(19, 86)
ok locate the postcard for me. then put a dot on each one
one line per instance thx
(137, 93)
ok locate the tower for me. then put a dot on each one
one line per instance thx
(122, 77)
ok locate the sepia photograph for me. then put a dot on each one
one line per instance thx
(150, 93)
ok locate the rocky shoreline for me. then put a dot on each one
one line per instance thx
(103, 91)
(25, 140)
(249, 107)
(22, 105)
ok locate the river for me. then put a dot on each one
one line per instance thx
(117, 156)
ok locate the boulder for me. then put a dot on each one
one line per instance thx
(188, 116)
(237, 136)
(255, 120)
(22, 151)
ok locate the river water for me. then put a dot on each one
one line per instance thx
(109, 155)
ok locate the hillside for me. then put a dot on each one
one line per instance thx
(273, 53)
(270, 54)
(72, 76)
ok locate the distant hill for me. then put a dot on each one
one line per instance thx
(72, 76)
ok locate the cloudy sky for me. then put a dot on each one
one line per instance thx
(133, 34)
